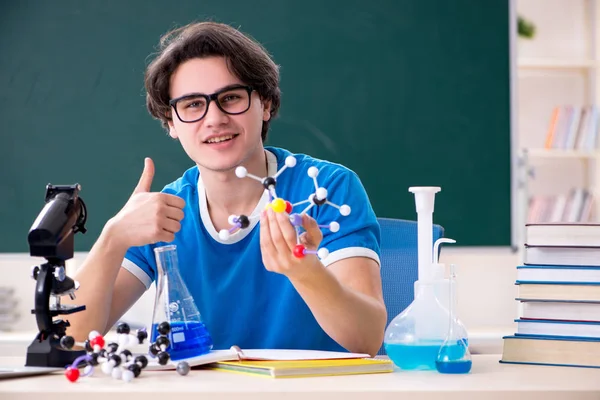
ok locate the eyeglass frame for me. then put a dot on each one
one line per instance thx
(212, 97)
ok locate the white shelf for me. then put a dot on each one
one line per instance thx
(555, 63)
(559, 153)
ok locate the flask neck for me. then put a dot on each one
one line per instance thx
(425, 287)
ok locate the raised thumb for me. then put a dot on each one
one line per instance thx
(145, 182)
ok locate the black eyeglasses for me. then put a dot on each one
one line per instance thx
(231, 100)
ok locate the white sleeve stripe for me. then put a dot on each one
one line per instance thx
(350, 252)
(137, 272)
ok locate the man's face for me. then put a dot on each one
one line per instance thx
(219, 141)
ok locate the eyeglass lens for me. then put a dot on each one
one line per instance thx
(232, 101)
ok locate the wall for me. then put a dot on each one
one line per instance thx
(485, 280)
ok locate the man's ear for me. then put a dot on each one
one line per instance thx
(266, 110)
(172, 131)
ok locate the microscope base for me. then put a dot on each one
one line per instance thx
(46, 354)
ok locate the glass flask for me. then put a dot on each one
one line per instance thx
(454, 356)
(174, 304)
(414, 337)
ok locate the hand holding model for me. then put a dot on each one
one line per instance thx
(148, 217)
(281, 247)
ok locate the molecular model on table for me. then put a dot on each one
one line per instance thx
(318, 198)
(116, 359)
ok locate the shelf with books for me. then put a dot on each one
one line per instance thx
(571, 137)
(560, 153)
(556, 63)
(557, 71)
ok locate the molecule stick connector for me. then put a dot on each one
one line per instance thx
(318, 198)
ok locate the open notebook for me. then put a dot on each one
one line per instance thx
(306, 368)
(237, 354)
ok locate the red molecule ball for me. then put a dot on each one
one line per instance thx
(97, 341)
(299, 251)
(288, 207)
(72, 374)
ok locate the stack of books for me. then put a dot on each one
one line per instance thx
(8, 308)
(559, 288)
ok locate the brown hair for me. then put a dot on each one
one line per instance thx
(246, 59)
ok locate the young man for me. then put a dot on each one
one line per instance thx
(215, 91)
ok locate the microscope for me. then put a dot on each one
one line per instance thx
(51, 237)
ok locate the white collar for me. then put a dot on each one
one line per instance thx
(262, 203)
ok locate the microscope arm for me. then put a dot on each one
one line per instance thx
(43, 286)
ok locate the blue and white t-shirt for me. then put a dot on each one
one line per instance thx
(241, 302)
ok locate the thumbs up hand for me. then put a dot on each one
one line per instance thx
(145, 182)
(148, 217)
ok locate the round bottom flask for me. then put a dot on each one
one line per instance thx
(414, 337)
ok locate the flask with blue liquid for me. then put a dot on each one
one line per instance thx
(414, 338)
(454, 356)
(174, 304)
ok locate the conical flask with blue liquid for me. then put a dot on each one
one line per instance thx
(174, 304)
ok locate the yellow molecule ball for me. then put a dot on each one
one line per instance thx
(278, 205)
(268, 206)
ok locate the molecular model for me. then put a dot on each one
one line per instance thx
(116, 359)
(318, 198)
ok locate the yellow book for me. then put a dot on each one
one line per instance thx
(305, 368)
(237, 354)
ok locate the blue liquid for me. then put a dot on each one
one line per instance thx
(421, 355)
(453, 367)
(188, 339)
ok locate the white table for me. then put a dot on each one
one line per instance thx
(488, 380)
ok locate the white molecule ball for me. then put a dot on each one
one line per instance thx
(123, 340)
(323, 253)
(223, 234)
(127, 375)
(117, 373)
(88, 370)
(321, 193)
(231, 219)
(334, 226)
(107, 368)
(241, 172)
(290, 161)
(345, 210)
(313, 172)
(93, 334)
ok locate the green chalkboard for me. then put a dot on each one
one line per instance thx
(405, 93)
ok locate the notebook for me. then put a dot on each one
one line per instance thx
(306, 368)
(236, 354)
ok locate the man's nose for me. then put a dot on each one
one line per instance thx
(214, 116)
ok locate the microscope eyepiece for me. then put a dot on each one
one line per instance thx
(51, 235)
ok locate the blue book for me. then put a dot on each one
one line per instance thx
(551, 327)
(551, 351)
(557, 273)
